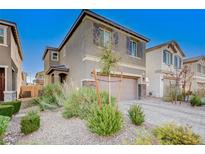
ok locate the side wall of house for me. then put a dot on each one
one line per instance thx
(16, 65)
(72, 54)
(5, 58)
(153, 67)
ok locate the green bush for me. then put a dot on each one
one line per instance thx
(173, 134)
(144, 137)
(195, 100)
(4, 121)
(48, 100)
(180, 97)
(6, 110)
(136, 115)
(30, 122)
(15, 104)
(105, 122)
(80, 102)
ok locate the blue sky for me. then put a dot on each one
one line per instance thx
(41, 28)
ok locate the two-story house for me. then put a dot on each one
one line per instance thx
(11, 58)
(197, 65)
(39, 78)
(79, 53)
(162, 61)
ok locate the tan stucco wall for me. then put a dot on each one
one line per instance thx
(81, 45)
(5, 58)
(18, 63)
(72, 54)
(10, 53)
(120, 49)
(154, 69)
(198, 77)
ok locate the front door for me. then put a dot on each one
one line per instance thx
(2, 83)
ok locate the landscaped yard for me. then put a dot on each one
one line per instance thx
(55, 129)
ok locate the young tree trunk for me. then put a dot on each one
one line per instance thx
(109, 89)
(97, 89)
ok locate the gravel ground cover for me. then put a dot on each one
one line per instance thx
(57, 130)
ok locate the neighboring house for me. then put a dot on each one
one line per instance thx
(39, 78)
(79, 53)
(197, 65)
(162, 61)
(24, 78)
(11, 58)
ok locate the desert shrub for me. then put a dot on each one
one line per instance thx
(15, 104)
(80, 102)
(4, 121)
(173, 134)
(136, 114)
(180, 97)
(144, 137)
(48, 100)
(6, 110)
(195, 100)
(105, 122)
(30, 122)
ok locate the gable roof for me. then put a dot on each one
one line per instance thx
(49, 48)
(102, 19)
(15, 34)
(169, 43)
(193, 59)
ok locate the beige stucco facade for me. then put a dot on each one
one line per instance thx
(81, 55)
(156, 70)
(198, 80)
(11, 62)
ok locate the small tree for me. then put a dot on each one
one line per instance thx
(109, 62)
(187, 78)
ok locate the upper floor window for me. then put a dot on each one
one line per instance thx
(2, 35)
(105, 38)
(199, 68)
(167, 57)
(177, 62)
(54, 56)
(133, 48)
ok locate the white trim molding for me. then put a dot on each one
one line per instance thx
(199, 77)
(126, 74)
(5, 68)
(97, 59)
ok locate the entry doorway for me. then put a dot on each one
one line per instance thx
(2, 83)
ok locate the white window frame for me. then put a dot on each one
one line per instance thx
(199, 66)
(105, 45)
(169, 57)
(53, 52)
(4, 35)
(177, 66)
(131, 49)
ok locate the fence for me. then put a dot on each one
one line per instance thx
(31, 91)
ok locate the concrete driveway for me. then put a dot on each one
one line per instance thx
(157, 112)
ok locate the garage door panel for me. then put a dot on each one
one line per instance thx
(128, 87)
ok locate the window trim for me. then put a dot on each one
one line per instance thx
(4, 35)
(130, 53)
(178, 58)
(199, 69)
(110, 36)
(171, 57)
(52, 56)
